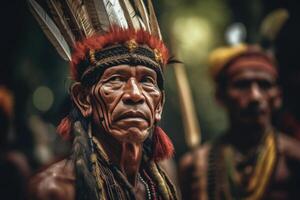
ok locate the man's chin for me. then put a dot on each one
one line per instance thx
(131, 135)
(253, 121)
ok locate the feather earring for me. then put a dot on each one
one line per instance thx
(64, 128)
(162, 145)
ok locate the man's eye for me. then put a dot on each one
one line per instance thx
(241, 84)
(265, 85)
(114, 79)
(148, 79)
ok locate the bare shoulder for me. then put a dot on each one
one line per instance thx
(55, 182)
(200, 155)
(288, 146)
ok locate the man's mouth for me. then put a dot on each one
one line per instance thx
(132, 115)
(254, 112)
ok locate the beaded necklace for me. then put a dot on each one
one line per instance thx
(146, 186)
(249, 182)
(151, 192)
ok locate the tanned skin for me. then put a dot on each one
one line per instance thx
(250, 98)
(124, 105)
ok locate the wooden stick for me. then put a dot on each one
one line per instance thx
(191, 124)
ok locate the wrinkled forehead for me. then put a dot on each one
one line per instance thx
(97, 75)
(254, 62)
(129, 70)
(252, 74)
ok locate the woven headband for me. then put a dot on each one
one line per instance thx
(129, 53)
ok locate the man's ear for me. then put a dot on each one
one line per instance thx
(81, 98)
(159, 107)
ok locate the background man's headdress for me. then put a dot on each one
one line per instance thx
(225, 61)
(96, 34)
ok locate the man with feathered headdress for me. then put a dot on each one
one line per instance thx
(117, 64)
(251, 160)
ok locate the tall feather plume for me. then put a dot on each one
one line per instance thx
(130, 15)
(79, 12)
(272, 24)
(50, 30)
(140, 6)
(58, 16)
(72, 21)
(155, 30)
(98, 15)
(143, 26)
(115, 13)
(73, 14)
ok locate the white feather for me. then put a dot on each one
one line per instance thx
(115, 13)
(51, 30)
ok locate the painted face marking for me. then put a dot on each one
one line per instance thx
(128, 98)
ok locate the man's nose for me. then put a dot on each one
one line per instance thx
(133, 93)
(255, 92)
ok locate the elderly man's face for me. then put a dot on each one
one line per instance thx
(126, 102)
(251, 96)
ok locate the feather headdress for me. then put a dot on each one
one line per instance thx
(88, 32)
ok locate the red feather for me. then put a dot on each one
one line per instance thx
(64, 128)
(162, 145)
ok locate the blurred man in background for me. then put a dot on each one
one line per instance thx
(252, 160)
(14, 167)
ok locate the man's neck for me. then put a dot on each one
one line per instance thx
(126, 155)
(246, 138)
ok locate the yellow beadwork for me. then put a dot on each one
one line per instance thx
(262, 170)
(92, 57)
(158, 56)
(131, 45)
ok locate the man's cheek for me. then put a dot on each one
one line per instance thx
(152, 103)
(109, 97)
